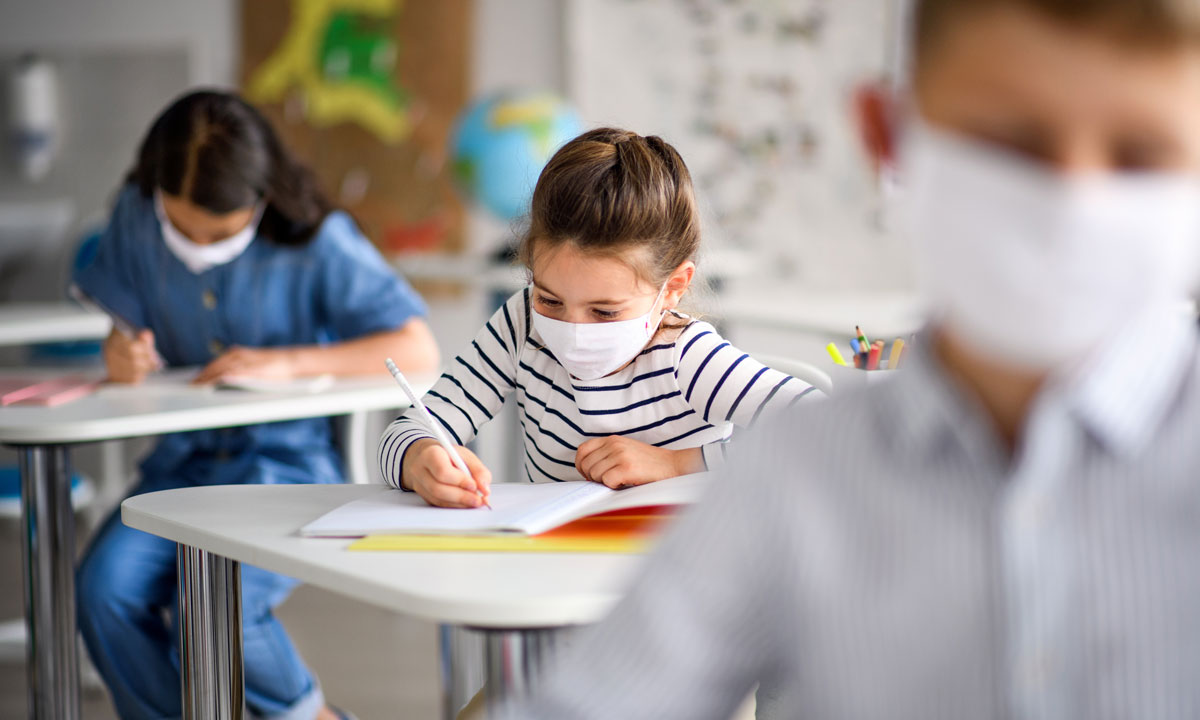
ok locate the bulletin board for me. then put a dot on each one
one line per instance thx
(366, 92)
(756, 95)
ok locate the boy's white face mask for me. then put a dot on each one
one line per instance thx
(590, 351)
(1033, 268)
(199, 258)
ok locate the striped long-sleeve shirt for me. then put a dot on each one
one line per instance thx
(687, 389)
(888, 558)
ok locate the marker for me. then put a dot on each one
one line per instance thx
(855, 346)
(834, 353)
(897, 352)
(873, 356)
(439, 433)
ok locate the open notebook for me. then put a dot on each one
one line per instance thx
(519, 509)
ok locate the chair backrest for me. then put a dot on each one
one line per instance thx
(800, 370)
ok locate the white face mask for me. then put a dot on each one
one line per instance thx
(196, 257)
(1036, 269)
(590, 351)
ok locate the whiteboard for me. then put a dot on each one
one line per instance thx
(756, 95)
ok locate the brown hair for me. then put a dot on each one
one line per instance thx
(609, 191)
(1160, 23)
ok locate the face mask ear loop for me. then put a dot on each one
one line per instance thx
(663, 315)
(536, 345)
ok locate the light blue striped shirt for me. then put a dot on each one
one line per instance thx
(883, 556)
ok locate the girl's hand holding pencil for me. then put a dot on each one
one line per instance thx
(442, 474)
(429, 471)
(129, 359)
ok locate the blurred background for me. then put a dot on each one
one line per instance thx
(429, 121)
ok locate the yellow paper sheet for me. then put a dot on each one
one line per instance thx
(625, 532)
(629, 545)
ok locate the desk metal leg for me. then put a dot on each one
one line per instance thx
(48, 544)
(513, 661)
(446, 673)
(210, 636)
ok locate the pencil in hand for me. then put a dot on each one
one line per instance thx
(435, 427)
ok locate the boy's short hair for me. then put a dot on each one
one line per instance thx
(1146, 23)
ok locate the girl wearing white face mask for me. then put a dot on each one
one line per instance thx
(225, 255)
(613, 384)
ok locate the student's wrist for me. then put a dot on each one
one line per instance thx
(413, 452)
(300, 361)
(689, 461)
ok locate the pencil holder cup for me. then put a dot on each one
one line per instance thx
(848, 378)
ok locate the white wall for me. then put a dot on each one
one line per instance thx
(518, 44)
(206, 30)
(118, 62)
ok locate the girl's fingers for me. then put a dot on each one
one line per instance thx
(144, 355)
(479, 472)
(586, 450)
(443, 471)
(610, 471)
(228, 364)
(144, 368)
(444, 495)
(448, 494)
(588, 465)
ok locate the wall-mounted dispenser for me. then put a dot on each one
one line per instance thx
(33, 118)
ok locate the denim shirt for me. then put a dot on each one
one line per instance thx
(334, 288)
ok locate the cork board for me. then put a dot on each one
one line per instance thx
(366, 92)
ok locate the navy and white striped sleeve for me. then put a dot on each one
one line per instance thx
(725, 385)
(469, 393)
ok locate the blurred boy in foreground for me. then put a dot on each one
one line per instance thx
(1011, 526)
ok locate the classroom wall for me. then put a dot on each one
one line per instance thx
(117, 62)
(757, 96)
(518, 44)
(120, 61)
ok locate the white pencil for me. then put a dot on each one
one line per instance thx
(435, 427)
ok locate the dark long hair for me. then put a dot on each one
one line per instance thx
(215, 150)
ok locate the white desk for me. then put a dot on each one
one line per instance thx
(43, 437)
(519, 601)
(26, 323)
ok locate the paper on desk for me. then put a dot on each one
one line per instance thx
(627, 532)
(298, 385)
(44, 391)
(518, 508)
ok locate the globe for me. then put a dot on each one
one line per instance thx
(501, 143)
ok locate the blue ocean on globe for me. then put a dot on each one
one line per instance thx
(502, 142)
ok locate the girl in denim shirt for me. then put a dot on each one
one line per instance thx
(224, 254)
